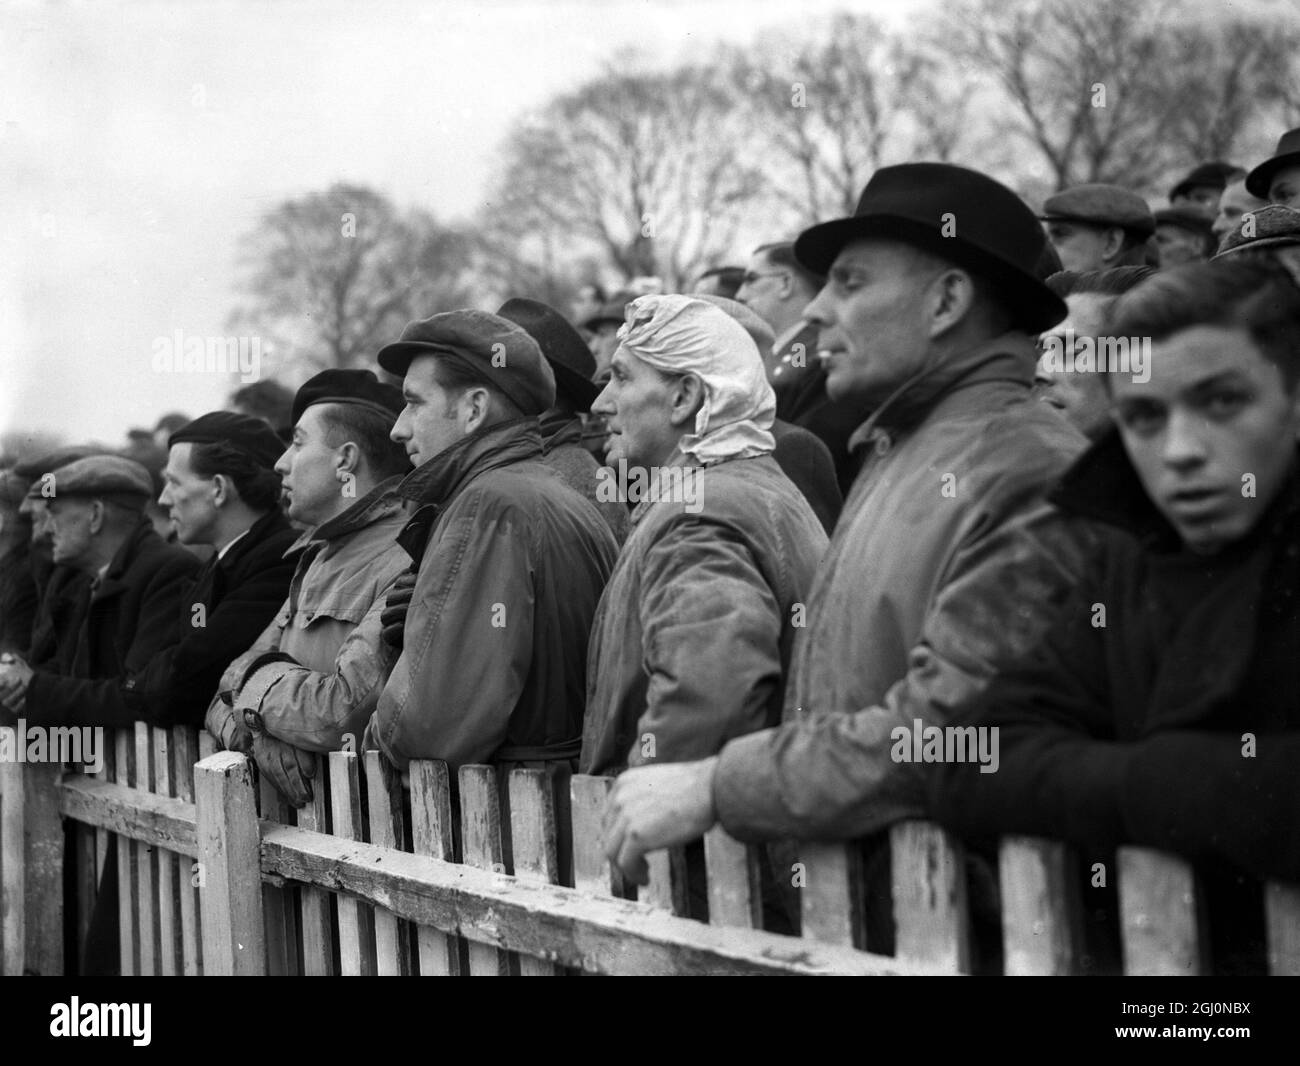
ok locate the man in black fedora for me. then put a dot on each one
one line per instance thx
(573, 366)
(1277, 179)
(947, 562)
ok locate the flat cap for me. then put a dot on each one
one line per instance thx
(1101, 205)
(1187, 218)
(493, 349)
(32, 469)
(113, 476)
(1274, 226)
(248, 434)
(360, 388)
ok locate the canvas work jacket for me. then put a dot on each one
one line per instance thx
(315, 673)
(947, 563)
(693, 636)
(511, 563)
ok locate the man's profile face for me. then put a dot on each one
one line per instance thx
(637, 402)
(308, 471)
(1178, 245)
(429, 423)
(1080, 395)
(766, 288)
(1212, 434)
(189, 498)
(1080, 246)
(1284, 189)
(1234, 203)
(69, 522)
(872, 328)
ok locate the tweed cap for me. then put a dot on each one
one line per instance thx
(105, 476)
(495, 350)
(358, 387)
(32, 469)
(1101, 205)
(248, 434)
(1274, 226)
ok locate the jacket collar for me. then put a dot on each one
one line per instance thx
(1102, 485)
(500, 445)
(944, 389)
(268, 525)
(112, 582)
(560, 428)
(379, 503)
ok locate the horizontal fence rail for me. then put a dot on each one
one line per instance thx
(501, 871)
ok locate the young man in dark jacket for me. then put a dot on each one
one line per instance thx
(1163, 709)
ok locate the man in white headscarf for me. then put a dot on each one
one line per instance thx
(693, 634)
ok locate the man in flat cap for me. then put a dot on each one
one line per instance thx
(310, 682)
(510, 560)
(947, 562)
(96, 517)
(1097, 227)
(573, 365)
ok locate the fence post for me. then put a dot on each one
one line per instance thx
(1041, 928)
(231, 865)
(930, 918)
(13, 932)
(1160, 914)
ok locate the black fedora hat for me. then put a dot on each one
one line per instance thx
(992, 232)
(1287, 155)
(1206, 175)
(561, 344)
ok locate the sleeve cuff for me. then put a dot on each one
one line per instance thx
(257, 684)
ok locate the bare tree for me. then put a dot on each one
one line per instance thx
(641, 171)
(332, 276)
(1120, 92)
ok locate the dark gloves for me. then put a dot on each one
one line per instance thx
(393, 616)
(290, 769)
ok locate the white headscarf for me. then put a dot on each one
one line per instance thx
(682, 334)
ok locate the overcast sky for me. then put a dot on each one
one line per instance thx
(139, 140)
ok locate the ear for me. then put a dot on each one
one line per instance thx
(686, 398)
(953, 296)
(347, 459)
(1113, 245)
(222, 490)
(474, 406)
(96, 516)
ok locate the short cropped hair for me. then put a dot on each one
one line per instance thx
(257, 485)
(1259, 297)
(455, 381)
(781, 254)
(368, 430)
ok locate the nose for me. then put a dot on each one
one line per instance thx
(1183, 446)
(399, 433)
(819, 313)
(283, 465)
(164, 497)
(604, 403)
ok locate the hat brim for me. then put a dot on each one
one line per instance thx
(1033, 306)
(583, 391)
(396, 358)
(1259, 179)
(1259, 245)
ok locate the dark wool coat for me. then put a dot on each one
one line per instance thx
(18, 599)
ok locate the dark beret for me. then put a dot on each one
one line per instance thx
(493, 349)
(1101, 205)
(32, 469)
(112, 476)
(361, 388)
(248, 434)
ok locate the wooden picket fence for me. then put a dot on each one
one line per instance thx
(503, 873)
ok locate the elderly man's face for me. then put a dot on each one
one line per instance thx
(1214, 421)
(1178, 245)
(1284, 189)
(637, 402)
(1081, 247)
(71, 519)
(1234, 203)
(872, 328)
